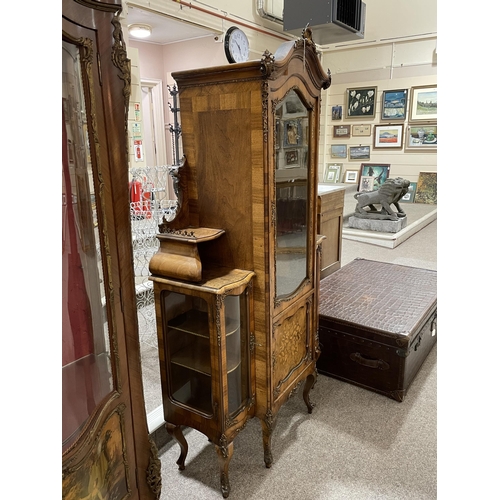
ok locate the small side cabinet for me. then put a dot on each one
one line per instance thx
(205, 350)
(330, 219)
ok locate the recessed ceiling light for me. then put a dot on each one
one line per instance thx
(139, 30)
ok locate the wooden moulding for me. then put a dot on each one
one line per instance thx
(178, 256)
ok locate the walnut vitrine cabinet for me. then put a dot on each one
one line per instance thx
(250, 142)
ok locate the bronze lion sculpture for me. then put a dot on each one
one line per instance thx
(389, 193)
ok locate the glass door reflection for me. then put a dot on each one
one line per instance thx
(291, 178)
(86, 366)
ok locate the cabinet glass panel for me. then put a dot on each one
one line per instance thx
(86, 365)
(188, 350)
(236, 320)
(291, 178)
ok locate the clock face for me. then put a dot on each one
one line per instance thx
(236, 45)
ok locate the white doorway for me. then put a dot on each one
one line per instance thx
(153, 123)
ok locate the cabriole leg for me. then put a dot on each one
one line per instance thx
(224, 454)
(176, 433)
(309, 384)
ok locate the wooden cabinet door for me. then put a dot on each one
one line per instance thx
(106, 452)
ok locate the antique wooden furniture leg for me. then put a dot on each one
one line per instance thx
(267, 432)
(176, 433)
(224, 454)
(309, 384)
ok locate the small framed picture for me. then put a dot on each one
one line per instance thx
(333, 172)
(421, 137)
(336, 112)
(339, 151)
(409, 197)
(388, 136)
(292, 157)
(361, 130)
(423, 103)
(361, 102)
(292, 133)
(359, 152)
(351, 176)
(342, 131)
(366, 183)
(426, 191)
(394, 104)
(379, 172)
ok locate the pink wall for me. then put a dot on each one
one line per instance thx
(150, 59)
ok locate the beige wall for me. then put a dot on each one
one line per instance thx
(387, 66)
(398, 51)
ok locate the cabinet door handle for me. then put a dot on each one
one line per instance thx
(370, 363)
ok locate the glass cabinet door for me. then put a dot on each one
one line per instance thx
(236, 327)
(292, 187)
(86, 366)
(188, 349)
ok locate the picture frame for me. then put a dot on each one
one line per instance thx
(366, 183)
(292, 157)
(342, 131)
(394, 104)
(422, 137)
(359, 152)
(338, 151)
(426, 191)
(351, 176)
(423, 103)
(409, 197)
(292, 133)
(337, 112)
(333, 172)
(379, 172)
(388, 136)
(361, 130)
(361, 102)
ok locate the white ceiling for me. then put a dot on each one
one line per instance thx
(164, 29)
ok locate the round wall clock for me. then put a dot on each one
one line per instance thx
(236, 45)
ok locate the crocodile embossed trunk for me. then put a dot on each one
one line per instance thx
(377, 324)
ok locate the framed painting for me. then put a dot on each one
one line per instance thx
(423, 103)
(339, 151)
(388, 136)
(336, 112)
(361, 130)
(359, 152)
(292, 157)
(351, 176)
(421, 137)
(292, 133)
(361, 102)
(409, 197)
(342, 131)
(379, 172)
(366, 183)
(394, 104)
(333, 172)
(426, 191)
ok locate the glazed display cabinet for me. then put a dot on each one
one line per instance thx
(250, 140)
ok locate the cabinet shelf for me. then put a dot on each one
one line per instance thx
(195, 356)
(196, 323)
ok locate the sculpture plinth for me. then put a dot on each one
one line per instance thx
(383, 226)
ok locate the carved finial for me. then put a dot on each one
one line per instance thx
(307, 33)
(267, 63)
